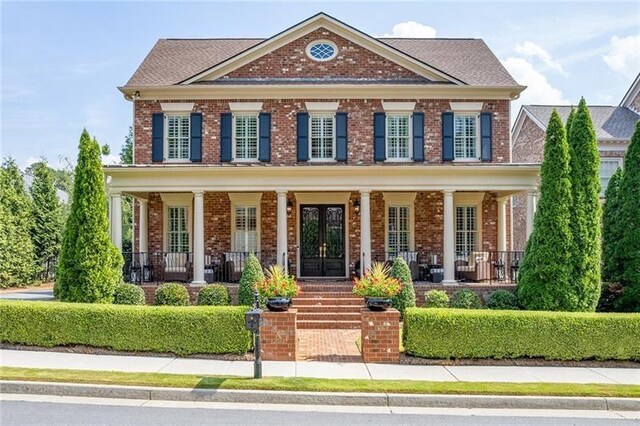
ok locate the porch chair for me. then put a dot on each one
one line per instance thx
(177, 267)
(476, 268)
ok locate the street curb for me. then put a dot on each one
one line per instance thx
(320, 398)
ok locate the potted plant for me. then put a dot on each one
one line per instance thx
(277, 288)
(377, 287)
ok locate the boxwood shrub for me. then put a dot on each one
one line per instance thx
(458, 333)
(128, 294)
(503, 299)
(436, 299)
(172, 294)
(170, 329)
(213, 295)
(466, 299)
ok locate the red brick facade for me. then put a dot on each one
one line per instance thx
(380, 336)
(278, 340)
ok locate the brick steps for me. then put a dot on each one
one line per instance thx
(328, 316)
(330, 295)
(328, 324)
(298, 302)
(355, 308)
(328, 306)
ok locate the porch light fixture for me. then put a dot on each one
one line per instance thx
(356, 207)
(289, 208)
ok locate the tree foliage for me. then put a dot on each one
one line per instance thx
(407, 296)
(126, 157)
(545, 280)
(612, 232)
(89, 266)
(251, 275)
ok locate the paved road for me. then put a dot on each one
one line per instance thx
(28, 295)
(40, 410)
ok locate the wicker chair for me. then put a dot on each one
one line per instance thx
(476, 268)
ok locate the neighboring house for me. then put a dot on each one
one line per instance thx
(324, 149)
(614, 126)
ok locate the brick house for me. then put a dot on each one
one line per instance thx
(614, 126)
(323, 149)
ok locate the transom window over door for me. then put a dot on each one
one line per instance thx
(465, 128)
(246, 137)
(398, 229)
(246, 229)
(466, 229)
(322, 136)
(398, 136)
(177, 137)
(178, 237)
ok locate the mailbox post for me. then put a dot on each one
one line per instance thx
(252, 323)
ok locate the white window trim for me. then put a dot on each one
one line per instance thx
(233, 137)
(459, 112)
(246, 199)
(470, 199)
(386, 137)
(466, 106)
(176, 200)
(619, 160)
(165, 136)
(245, 107)
(398, 107)
(400, 199)
(314, 42)
(333, 142)
(322, 107)
(177, 107)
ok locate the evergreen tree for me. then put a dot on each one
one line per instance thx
(407, 296)
(46, 227)
(585, 210)
(17, 261)
(251, 275)
(629, 217)
(572, 114)
(611, 231)
(544, 281)
(90, 265)
(126, 157)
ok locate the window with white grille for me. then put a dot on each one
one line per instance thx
(398, 229)
(466, 229)
(246, 229)
(177, 137)
(322, 136)
(245, 131)
(178, 237)
(465, 131)
(608, 167)
(398, 137)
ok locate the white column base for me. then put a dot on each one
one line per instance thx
(450, 282)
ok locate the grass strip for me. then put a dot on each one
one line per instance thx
(317, 385)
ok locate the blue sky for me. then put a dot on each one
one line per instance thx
(61, 62)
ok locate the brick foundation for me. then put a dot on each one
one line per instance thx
(381, 336)
(278, 340)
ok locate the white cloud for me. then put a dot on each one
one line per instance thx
(532, 50)
(624, 55)
(411, 29)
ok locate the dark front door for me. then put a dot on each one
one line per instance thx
(322, 241)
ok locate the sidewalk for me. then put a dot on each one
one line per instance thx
(173, 365)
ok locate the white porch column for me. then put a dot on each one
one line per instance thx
(281, 223)
(143, 230)
(531, 209)
(116, 217)
(365, 230)
(448, 245)
(198, 237)
(502, 224)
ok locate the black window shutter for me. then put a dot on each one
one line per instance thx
(264, 129)
(341, 136)
(303, 136)
(157, 137)
(447, 136)
(379, 142)
(486, 136)
(196, 137)
(225, 136)
(418, 136)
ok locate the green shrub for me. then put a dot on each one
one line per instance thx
(449, 333)
(466, 299)
(251, 275)
(407, 296)
(128, 294)
(172, 294)
(436, 299)
(503, 299)
(213, 295)
(178, 330)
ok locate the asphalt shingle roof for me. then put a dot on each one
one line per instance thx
(610, 122)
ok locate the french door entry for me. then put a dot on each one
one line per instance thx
(322, 241)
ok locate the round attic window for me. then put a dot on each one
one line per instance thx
(322, 50)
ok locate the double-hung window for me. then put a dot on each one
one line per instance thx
(246, 229)
(398, 137)
(178, 238)
(608, 167)
(398, 229)
(177, 137)
(466, 136)
(245, 132)
(466, 229)
(322, 140)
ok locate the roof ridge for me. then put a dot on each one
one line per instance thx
(213, 38)
(574, 105)
(426, 38)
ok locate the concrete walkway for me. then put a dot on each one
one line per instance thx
(173, 365)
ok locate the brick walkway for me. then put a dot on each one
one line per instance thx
(328, 345)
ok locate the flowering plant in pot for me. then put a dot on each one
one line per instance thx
(377, 287)
(278, 288)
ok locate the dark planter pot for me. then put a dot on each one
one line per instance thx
(378, 303)
(278, 304)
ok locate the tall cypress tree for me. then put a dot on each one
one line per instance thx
(17, 261)
(46, 226)
(629, 217)
(90, 265)
(585, 210)
(544, 281)
(572, 114)
(612, 233)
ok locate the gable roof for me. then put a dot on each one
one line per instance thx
(632, 93)
(458, 61)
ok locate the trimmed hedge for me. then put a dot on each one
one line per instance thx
(128, 294)
(213, 295)
(436, 299)
(172, 294)
(466, 299)
(458, 333)
(178, 330)
(503, 299)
